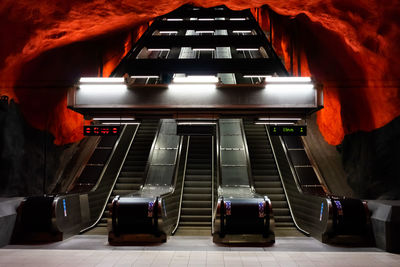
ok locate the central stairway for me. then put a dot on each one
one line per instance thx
(196, 210)
(266, 176)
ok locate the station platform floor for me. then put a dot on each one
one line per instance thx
(93, 250)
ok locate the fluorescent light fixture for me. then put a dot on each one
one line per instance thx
(196, 8)
(174, 19)
(197, 123)
(113, 119)
(220, 18)
(279, 119)
(193, 18)
(158, 49)
(237, 18)
(119, 123)
(145, 76)
(206, 19)
(192, 88)
(256, 76)
(294, 79)
(168, 32)
(204, 31)
(196, 79)
(274, 123)
(247, 49)
(101, 80)
(103, 88)
(203, 49)
(245, 31)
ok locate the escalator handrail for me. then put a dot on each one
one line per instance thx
(246, 151)
(183, 184)
(212, 183)
(283, 184)
(153, 145)
(109, 159)
(116, 175)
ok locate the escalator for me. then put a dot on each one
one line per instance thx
(266, 175)
(132, 173)
(196, 209)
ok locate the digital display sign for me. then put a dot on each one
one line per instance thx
(100, 130)
(291, 130)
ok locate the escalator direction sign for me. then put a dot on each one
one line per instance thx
(290, 130)
(101, 130)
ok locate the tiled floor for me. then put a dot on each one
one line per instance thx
(192, 251)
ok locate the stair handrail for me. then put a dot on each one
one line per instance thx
(116, 176)
(183, 184)
(283, 184)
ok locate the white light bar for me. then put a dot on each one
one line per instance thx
(145, 76)
(174, 19)
(206, 19)
(271, 79)
(237, 19)
(274, 123)
(168, 32)
(256, 76)
(204, 31)
(203, 49)
(118, 123)
(247, 49)
(101, 80)
(196, 79)
(158, 49)
(197, 123)
(193, 18)
(241, 31)
(279, 119)
(113, 119)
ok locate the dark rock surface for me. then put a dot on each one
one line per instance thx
(372, 161)
(27, 155)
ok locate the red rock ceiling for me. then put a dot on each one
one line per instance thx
(352, 47)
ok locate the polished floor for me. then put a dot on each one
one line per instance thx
(93, 250)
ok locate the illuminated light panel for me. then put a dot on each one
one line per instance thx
(271, 79)
(197, 123)
(204, 31)
(145, 76)
(101, 80)
(118, 123)
(237, 19)
(241, 31)
(195, 79)
(206, 19)
(193, 88)
(113, 119)
(203, 49)
(103, 88)
(168, 32)
(158, 49)
(256, 76)
(247, 49)
(193, 18)
(174, 19)
(279, 119)
(274, 123)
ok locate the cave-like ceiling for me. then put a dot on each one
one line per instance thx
(351, 46)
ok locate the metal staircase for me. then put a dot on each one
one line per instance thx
(197, 196)
(132, 173)
(265, 173)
